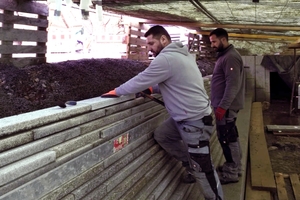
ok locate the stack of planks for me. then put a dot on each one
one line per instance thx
(260, 180)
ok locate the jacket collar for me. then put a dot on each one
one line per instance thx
(225, 51)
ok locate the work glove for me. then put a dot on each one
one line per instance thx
(219, 113)
(148, 91)
(110, 94)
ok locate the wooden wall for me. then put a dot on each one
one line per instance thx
(23, 32)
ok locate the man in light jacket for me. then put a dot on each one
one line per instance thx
(185, 135)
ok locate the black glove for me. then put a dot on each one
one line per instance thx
(147, 91)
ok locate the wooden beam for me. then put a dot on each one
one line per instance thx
(25, 6)
(237, 26)
(281, 190)
(284, 42)
(262, 176)
(252, 193)
(294, 46)
(285, 128)
(257, 36)
(295, 185)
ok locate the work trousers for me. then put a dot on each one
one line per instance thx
(231, 148)
(174, 137)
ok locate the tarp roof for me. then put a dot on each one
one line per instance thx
(264, 27)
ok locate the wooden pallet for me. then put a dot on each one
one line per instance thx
(136, 43)
(281, 185)
(14, 40)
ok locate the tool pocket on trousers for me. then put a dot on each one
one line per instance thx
(190, 129)
(227, 133)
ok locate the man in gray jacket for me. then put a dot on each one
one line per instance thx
(185, 135)
(227, 97)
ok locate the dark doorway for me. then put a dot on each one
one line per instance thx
(278, 88)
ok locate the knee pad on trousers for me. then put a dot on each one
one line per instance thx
(227, 133)
(203, 160)
(205, 165)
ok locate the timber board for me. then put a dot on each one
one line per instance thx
(25, 6)
(11, 49)
(284, 128)
(294, 178)
(23, 35)
(251, 193)
(262, 176)
(281, 190)
(22, 62)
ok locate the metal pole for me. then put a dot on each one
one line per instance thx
(294, 82)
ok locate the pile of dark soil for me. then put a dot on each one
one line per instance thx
(42, 86)
(46, 85)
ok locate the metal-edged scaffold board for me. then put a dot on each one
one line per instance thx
(284, 128)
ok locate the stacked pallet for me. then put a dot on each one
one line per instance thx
(24, 33)
(205, 49)
(136, 43)
(194, 43)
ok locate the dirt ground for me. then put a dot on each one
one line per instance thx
(284, 151)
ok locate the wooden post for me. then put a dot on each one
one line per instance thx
(7, 26)
(42, 44)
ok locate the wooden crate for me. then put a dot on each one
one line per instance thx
(23, 32)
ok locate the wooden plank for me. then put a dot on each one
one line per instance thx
(137, 25)
(294, 46)
(6, 26)
(286, 133)
(229, 26)
(252, 194)
(22, 62)
(281, 191)
(138, 49)
(25, 6)
(283, 128)
(23, 35)
(295, 185)
(137, 41)
(135, 32)
(137, 57)
(8, 49)
(255, 36)
(262, 176)
(42, 44)
(12, 19)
